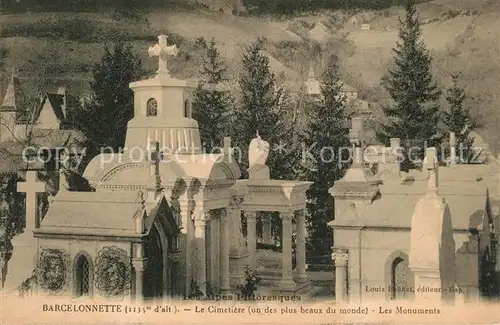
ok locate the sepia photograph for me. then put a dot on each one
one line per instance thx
(249, 161)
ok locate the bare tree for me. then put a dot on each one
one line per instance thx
(42, 67)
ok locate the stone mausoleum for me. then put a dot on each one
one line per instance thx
(427, 233)
(164, 219)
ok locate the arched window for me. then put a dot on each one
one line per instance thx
(82, 276)
(187, 108)
(152, 107)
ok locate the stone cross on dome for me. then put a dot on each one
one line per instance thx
(162, 51)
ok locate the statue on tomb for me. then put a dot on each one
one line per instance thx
(258, 151)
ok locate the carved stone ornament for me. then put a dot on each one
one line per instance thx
(235, 202)
(340, 256)
(258, 150)
(174, 256)
(113, 272)
(287, 215)
(53, 270)
(141, 198)
(201, 216)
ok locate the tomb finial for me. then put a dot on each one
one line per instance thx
(431, 165)
(155, 156)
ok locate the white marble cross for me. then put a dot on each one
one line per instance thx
(161, 50)
(31, 187)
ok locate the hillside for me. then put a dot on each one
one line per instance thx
(461, 34)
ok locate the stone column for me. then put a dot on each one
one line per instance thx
(167, 268)
(237, 240)
(238, 250)
(214, 257)
(173, 280)
(251, 237)
(224, 251)
(395, 145)
(139, 278)
(200, 223)
(340, 257)
(287, 283)
(453, 150)
(267, 236)
(186, 241)
(301, 246)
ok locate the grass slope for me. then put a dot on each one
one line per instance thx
(461, 34)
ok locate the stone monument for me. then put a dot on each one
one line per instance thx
(432, 247)
(258, 151)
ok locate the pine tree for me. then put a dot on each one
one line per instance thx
(104, 122)
(211, 108)
(326, 138)
(413, 116)
(458, 119)
(261, 110)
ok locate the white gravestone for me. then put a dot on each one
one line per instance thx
(432, 247)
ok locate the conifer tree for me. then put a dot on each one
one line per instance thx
(458, 119)
(104, 122)
(264, 108)
(261, 110)
(413, 116)
(325, 156)
(212, 105)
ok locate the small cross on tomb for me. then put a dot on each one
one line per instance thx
(155, 156)
(31, 187)
(162, 51)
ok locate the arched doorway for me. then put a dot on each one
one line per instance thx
(401, 279)
(153, 273)
(82, 276)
